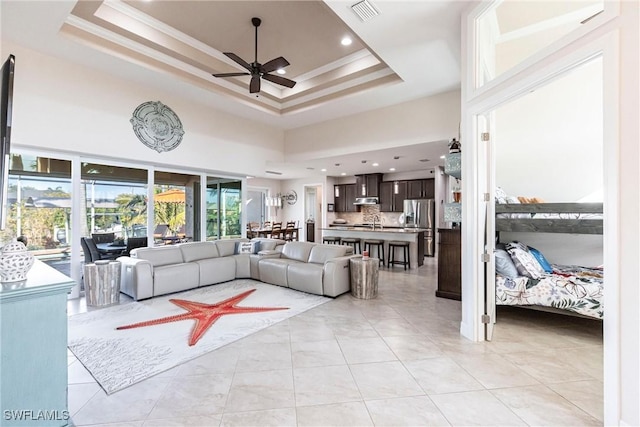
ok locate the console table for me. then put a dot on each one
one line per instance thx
(33, 333)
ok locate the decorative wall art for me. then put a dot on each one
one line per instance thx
(157, 126)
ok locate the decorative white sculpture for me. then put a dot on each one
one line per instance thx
(157, 126)
(15, 262)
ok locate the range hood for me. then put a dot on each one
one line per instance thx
(366, 201)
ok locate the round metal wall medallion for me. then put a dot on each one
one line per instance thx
(157, 126)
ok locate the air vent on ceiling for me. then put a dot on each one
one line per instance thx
(365, 10)
(274, 172)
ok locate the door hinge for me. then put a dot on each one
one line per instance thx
(485, 318)
(487, 197)
(485, 257)
(485, 136)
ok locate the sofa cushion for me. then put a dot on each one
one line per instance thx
(159, 256)
(216, 270)
(298, 251)
(274, 270)
(194, 251)
(175, 278)
(267, 244)
(227, 247)
(306, 277)
(323, 253)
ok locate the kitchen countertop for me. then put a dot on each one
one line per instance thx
(348, 227)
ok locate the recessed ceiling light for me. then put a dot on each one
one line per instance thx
(375, 164)
(337, 164)
(392, 169)
(346, 41)
(424, 160)
(323, 169)
(249, 177)
(443, 156)
(281, 71)
(343, 173)
(396, 157)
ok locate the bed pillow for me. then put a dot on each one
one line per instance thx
(526, 264)
(541, 259)
(501, 196)
(504, 265)
(247, 247)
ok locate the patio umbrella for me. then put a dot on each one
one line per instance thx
(170, 208)
(170, 196)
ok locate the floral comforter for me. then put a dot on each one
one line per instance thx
(569, 287)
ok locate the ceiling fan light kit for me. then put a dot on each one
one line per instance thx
(257, 70)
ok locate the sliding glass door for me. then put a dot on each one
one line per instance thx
(39, 207)
(224, 214)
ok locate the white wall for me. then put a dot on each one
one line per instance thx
(296, 212)
(434, 118)
(548, 144)
(67, 107)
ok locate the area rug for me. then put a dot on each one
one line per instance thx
(125, 344)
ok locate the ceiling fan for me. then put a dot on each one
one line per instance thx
(258, 70)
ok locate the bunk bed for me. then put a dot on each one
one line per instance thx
(558, 288)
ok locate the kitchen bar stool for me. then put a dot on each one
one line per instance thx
(353, 242)
(405, 254)
(379, 245)
(332, 240)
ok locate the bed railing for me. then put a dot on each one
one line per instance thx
(579, 225)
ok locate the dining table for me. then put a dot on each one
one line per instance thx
(266, 232)
(111, 248)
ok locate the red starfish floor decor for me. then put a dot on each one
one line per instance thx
(205, 315)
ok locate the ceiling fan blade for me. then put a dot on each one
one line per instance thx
(274, 64)
(254, 86)
(230, 74)
(279, 80)
(239, 60)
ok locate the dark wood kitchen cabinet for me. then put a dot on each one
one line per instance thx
(421, 189)
(389, 201)
(449, 263)
(344, 196)
(350, 198)
(368, 185)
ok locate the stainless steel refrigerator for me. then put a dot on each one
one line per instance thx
(420, 213)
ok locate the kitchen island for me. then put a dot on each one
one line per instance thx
(415, 237)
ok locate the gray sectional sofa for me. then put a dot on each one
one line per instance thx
(315, 268)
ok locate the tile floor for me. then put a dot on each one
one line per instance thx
(392, 361)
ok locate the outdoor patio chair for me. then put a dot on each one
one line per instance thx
(103, 237)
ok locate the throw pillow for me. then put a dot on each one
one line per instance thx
(546, 266)
(247, 247)
(525, 263)
(504, 265)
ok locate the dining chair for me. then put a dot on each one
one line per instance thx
(291, 232)
(103, 237)
(135, 242)
(95, 252)
(276, 232)
(250, 232)
(88, 256)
